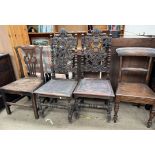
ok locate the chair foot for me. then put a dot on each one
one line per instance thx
(76, 115)
(115, 118)
(41, 113)
(109, 118)
(149, 124)
(152, 114)
(7, 107)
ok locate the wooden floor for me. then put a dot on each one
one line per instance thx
(130, 118)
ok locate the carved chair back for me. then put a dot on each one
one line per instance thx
(32, 56)
(135, 64)
(64, 54)
(96, 53)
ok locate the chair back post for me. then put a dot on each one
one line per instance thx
(20, 62)
(120, 70)
(41, 63)
(149, 70)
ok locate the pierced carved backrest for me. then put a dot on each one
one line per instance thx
(64, 53)
(96, 52)
(32, 56)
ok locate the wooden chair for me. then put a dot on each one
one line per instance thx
(64, 61)
(25, 85)
(95, 58)
(134, 75)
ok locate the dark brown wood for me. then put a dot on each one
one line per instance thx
(30, 54)
(6, 73)
(25, 86)
(135, 93)
(94, 88)
(132, 92)
(95, 58)
(152, 114)
(64, 61)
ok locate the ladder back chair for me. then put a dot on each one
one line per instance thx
(64, 61)
(26, 84)
(95, 58)
(134, 75)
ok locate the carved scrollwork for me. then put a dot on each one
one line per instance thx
(96, 52)
(63, 52)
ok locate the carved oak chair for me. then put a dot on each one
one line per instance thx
(134, 75)
(64, 61)
(25, 85)
(95, 58)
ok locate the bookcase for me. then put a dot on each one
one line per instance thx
(40, 34)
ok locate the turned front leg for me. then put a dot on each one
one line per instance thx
(116, 108)
(152, 114)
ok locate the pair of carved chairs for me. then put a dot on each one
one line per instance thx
(95, 57)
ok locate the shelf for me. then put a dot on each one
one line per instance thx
(134, 69)
(49, 33)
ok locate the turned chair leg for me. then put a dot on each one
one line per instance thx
(71, 110)
(34, 105)
(40, 108)
(152, 114)
(77, 109)
(109, 109)
(7, 107)
(116, 108)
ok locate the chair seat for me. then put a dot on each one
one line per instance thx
(135, 92)
(23, 85)
(94, 88)
(57, 88)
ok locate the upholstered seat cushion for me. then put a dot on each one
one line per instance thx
(57, 88)
(23, 85)
(95, 88)
(135, 92)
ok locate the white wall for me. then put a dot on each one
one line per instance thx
(139, 30)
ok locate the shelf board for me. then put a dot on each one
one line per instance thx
(134, 69)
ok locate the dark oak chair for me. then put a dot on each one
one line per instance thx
(134, 75)
(95, 58)
(64, 61)
(25, 85)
